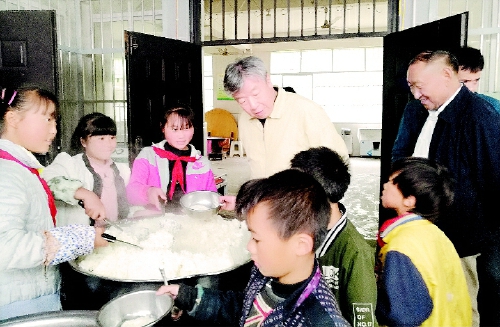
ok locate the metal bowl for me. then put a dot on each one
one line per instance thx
(139, 308)
(201, 204)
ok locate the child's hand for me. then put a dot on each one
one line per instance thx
(154, 196)
(99, 241)
(92, 204)
(171, 290)
(228, 202)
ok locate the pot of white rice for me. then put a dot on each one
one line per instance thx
(180, 244)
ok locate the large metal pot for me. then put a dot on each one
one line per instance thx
(76, 318)
(203, 197)
(85, 290)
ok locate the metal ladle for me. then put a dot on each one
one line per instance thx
(107, 221)
(176, 312)
(112, 223)
(112, 239)
(165, 280)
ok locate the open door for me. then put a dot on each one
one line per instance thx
(399, 48)
(161, 73)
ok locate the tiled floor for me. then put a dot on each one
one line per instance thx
(363, 195)
(361, 199)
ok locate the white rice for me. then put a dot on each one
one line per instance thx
(199, 207)
(138, 322)
(182, 245)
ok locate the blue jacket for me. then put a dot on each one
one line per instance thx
(466, 140)
(494, 102)
(318, 309)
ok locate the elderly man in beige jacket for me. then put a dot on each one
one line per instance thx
(275, 124)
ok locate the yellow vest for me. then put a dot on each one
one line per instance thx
(436, 259)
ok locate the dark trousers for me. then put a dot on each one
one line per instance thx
(488, 299)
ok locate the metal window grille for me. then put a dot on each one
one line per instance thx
(257, 21)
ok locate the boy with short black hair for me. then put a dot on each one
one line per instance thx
(346, 259)
(287, 215)
(421, 281)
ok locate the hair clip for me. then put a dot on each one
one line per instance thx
(3, 94)
(12, 99)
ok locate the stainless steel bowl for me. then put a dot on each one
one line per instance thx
(201, 204)
(135, 307)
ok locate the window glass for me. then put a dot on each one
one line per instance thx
(285, 62)
(347, 83)
(316, 60)
(207, 65)
(208, 93)
(302, 84)
(350, 96)
(374, 59)
(354, 114)
(345, 60)
(277, 80)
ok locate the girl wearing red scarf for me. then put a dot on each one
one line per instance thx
(31, 246)
(166, 170)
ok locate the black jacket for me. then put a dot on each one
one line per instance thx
(466, 140)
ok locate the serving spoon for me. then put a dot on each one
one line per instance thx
(112, 239)
(112, 223)
(106, 220)
(176, 312)
(165, 280)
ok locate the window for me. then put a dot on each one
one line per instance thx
(374, 59)
(285, 62)
(316, 60)
(348, 60)
(208, 84)
(347, 83)
(302, 84)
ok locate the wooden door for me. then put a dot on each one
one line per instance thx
(399, 48)
(28, 55)
(161, 73)
(28, 49)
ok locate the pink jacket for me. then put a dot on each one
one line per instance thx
(150, 170)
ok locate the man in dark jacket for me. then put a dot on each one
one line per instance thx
(456, 128)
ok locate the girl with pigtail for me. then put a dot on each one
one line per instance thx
(32, 246)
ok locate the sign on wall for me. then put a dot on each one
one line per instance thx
(221, 94)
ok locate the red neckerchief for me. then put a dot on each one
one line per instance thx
(386, 224)
(52, 204)
(177, 173)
